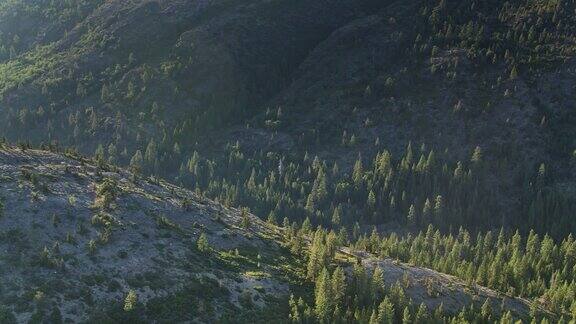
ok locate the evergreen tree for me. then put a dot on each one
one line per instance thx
(245, 218)
(136, 162)
(406, 317)
(130, 301)
(339, 287)
(202, 243)
(357, 172)
(386, 312)
(323, 298)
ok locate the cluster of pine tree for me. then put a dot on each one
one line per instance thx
(62, 14)
(525, 34)
(536, 268)
(420, 187)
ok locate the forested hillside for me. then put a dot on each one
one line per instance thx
(173, 86)
(411, 130)
(88, 242)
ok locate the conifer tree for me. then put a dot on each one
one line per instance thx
(476, 156)
(386, 312)
(318, 254)
(202, 243)
(136, 162)
(357, 172)
(323, 298)
(406, 317)
(337, 216)
(294, 316)
(377, 284)
(130, 301)
(339, 287)
(373, 317)
(245, 218)
(411, 217)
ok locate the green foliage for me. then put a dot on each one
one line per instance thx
(202, 244)
(26, 68)
(106, 193)
(132, 125)
(245, 218)
(534, 267)
(323, 294)
(130, 301)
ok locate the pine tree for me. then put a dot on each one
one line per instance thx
(294, 316)
(411, 217)
(339, 287)
(406, 317)
(507, 318)
(99, 154)
(136, 162)
(323, 298)
(438, 206)
(426, 212)
(337, 216)
(202, 243)
(371, 202)
(386, 312)
(373, 318)
(130, 301)
(486, 310)
(296, 244)
(358, 172)
(306, 226)
(377, 284)
(151, 152)
(245, 218)
(421, 314)
(477, 155)
(272, 219)
(514, 73)
(317, 259)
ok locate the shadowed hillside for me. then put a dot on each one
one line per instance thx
(334, 79)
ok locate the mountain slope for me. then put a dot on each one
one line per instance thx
(327, 78)
(434, 288)
(375, 120)
(76, 239)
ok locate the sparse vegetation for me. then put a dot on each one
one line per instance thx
(202, 243)
(130, 301)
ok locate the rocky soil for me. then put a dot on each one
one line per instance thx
(63, 246)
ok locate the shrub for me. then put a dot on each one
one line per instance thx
(202, 243)
(130, 301)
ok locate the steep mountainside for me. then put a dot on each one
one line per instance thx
(278, 79)
(439, 133)
(87, 243)
(76, 239)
